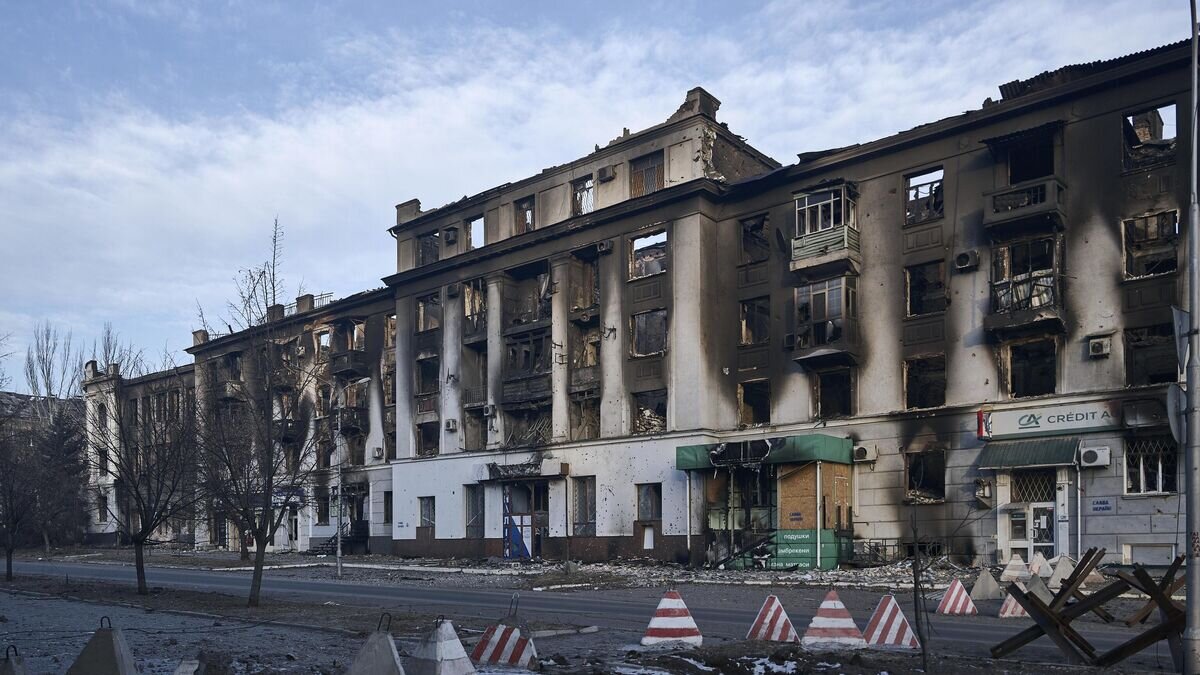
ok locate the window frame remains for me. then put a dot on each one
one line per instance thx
(924, 196)
(1154, 456)
(583, 195)
(428, 248)
(924, 296)
(826, 210)
(643, 265)
(1019, 353)
(753, 246)
(639, 325)
(1158, 242)
(525, 214)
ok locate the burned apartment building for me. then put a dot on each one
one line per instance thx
(956, 337)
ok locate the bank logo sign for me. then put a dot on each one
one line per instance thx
(1049, 420)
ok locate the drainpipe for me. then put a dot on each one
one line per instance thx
(819, 518)
(688, 474)
(1078, 512)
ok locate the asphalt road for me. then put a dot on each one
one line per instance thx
(624, 610)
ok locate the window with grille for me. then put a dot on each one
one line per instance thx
(1033, 485)
(585, 506)
(583, 196)
(1151, 465)
(646, 174)
(428, 511)
(474, 497)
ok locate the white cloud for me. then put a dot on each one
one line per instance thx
(133, 214)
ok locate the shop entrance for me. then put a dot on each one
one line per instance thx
(1031, 521)
(741, 509)
(526, 518)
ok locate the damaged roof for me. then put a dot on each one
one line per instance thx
(1065, 74)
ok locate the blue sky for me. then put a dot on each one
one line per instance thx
(147, 145)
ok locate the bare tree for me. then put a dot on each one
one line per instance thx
(16, 499)
(257, 415)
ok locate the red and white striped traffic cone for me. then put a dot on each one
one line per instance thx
(889, 628)
(833, 627)
(672, 622)
(504, 646)
(956, 601)
(1011, 609)
(772, 623)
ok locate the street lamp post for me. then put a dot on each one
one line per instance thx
(1191, 635)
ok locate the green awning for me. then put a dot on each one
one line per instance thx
(1031, 452)
(782, 450)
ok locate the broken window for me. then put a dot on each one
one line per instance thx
(321, 497)
(650, 412)
(754, 403)
(648, 255)
(1149, 137)
(476, 232)
(528, 354)
(428, 439)
(585, 418)
(828, 210)
(355, 395)
(1030, 160)
(523, 212)
(649, 333)
(1151, 465)
(389, 331)
(389, 385)
(835, 393)
(926, 286)
(102, 507)
(755, 321)
(585, 284)
(925, 382)
(528, 300)
(585, 347)
(429, 312)
(428, 375)
(428, 512)
(926, 476)
(474, 429)
(755, 247)
(1150, 355)
(1032, 368)
(321, 340)
(1024, 275)
(387, 506)
(529, 426)
(474, 294)
(473, 495)
(649, 501)
(1150, 244)
(583, 196)
(585, 506)
(646, 174)
(429, 248)
(826, 312)
(357, 336)
(323, 400)
(923, 197)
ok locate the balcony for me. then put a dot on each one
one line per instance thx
(1026, 305)
(526, 388)
(474, 328)
(352, 419)
(1032, 205)
(427, 403)
(475, 396)
(288, 431)
(231, 390)
(827, 343)
(827, 252)
(428, 342)
(585, 378)
(349, 363)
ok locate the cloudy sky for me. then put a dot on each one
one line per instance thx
(147, 145)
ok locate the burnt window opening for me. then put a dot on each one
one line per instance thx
(356, 336)
(529, 426)
(754, 403)
(321, 497)
(429, 380)
(389, 385)
(356, 395)
(924, 199)
(429, 248)
(474, 511)
(475, 426)
(476, 232)
(755, 246)
(1025, 275)
(925, 382)
(102, 507)
(584, 521)
(650, 412)
(323, 400)
(827, 312)
(1151, 465)
(827, 210)
(648, 332)
(389, 331)
(527, 354)
(925, 475)
(1151, 244)
(583, 196)
(1149, 136)
(585, 284)
(474, 373)
(1150, 356)
(428, 439)
(926, 286)
(648, 255)
(1033, 485)
(322, 341)
(649, 501)
(1032, 368)
(429, 312)
(646, 174)
(528, 299)
(1030, 160)
(524, 215)
(755, 316)
(585, 418)
(428, 510)
(387, 506)
(834, 393)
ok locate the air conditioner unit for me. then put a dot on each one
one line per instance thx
(865, 453)
(1094, 458)
(451, 425)
(489, 410)
(966, 261)
(605, 174)
(377, 453)
(789, 341)
(451, 235)
(1099, 347)
(453, 290)
(605, 246)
